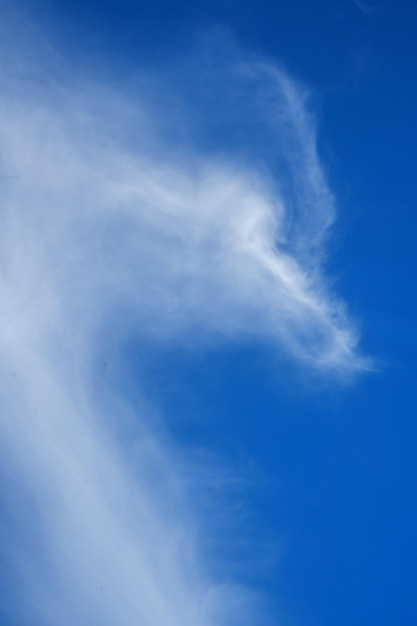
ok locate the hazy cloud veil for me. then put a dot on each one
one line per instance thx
(189, 201)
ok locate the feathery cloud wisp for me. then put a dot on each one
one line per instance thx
(128, 218)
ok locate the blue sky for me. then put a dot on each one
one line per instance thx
(207, 265)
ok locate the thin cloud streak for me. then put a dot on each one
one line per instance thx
(366, 9)
(113, 230)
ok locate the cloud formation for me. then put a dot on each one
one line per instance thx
(189, 202)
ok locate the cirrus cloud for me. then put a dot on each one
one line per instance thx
(183, 204)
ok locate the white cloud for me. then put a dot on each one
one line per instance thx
(127, 218)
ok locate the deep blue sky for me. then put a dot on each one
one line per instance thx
(334, 467)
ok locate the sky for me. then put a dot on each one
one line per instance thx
(207, 321)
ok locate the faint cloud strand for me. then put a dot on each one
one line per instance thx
(113, 228)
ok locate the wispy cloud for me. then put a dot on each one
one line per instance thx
(367, 9)
(160, 210)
